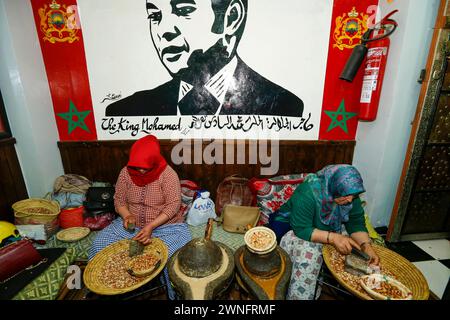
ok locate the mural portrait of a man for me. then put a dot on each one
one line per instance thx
(197, 42)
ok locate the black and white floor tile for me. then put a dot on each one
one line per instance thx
(432, 258)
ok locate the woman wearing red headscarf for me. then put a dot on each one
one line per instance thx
(148, 196)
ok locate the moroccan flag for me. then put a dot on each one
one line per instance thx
(339, 119)
(61, 38)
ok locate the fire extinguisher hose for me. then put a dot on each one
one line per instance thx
(366, 38)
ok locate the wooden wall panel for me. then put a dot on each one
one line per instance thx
(103, 160)
(12, 185)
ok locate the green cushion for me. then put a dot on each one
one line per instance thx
(81, 247)
(232, 240)
(46, 286)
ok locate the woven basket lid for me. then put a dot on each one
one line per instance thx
(72, 234)
(404, 271)
(92, 274)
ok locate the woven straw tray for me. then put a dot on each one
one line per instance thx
(72, 234)
(93, 271)
(404, 271)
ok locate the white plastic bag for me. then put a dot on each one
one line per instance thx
(202, 209)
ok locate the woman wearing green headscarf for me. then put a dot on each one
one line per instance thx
(314, 216)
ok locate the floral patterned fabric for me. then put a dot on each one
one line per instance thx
(306, 263)
(271, 194)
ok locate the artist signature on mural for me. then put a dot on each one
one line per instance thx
(112, 97)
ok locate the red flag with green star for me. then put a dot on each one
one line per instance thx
(340, 106)
(59, 31)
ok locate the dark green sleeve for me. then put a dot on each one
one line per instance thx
(356, 221)
(303, 208)
(288, 205)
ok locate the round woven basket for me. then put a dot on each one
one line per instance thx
(92, 276)
(35, 211)
(72, 234)
(404, 271)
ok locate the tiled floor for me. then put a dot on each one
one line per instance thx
(432, 258)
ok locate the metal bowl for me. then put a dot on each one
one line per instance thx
(200, 258)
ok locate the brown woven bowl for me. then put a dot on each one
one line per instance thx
(404, 271)
(92, 273)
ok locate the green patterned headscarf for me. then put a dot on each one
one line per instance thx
(333, 182)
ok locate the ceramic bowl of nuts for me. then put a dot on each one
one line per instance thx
(260, 240)
(382, 287)
(143, 265)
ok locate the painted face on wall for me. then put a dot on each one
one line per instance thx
(180, 27)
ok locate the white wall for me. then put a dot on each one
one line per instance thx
(382, 144)
(25, 90)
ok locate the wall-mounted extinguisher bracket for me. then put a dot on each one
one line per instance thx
(375, 47)
(381, 30)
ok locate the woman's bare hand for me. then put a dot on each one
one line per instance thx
(144, 235)
(374, 258)
(343, 244)
(129, 220)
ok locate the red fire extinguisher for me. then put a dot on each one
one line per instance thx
(375, 67)
(374, 49)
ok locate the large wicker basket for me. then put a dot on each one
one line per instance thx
(92, 275)
(36, 211)
(404, 271)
